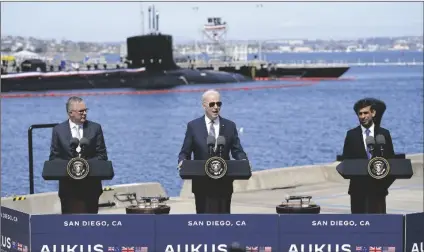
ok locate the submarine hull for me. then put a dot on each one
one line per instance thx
(69, 82)
(180, 77)
(142, 80)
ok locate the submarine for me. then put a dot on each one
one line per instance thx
(150, 66)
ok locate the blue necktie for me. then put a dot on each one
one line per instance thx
(367, 132)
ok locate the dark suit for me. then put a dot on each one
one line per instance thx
(79, 196)
(367, 195)
(211, 196)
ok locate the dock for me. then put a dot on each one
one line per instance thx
(259, 195)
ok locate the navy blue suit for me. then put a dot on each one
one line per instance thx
(87, 190)
(195, 142)
(367, 191)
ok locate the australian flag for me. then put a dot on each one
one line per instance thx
(361, 249)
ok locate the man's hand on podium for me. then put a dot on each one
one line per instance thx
(179, 165)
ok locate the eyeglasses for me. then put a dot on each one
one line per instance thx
(81, 111)
(212, 104)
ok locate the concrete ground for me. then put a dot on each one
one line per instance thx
(259, 195)
(405, 197)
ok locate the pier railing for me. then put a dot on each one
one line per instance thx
(30, 152)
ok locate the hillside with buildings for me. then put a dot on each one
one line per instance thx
(11, 44)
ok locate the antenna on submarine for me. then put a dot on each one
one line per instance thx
(153, 20)
(157, 21)
(150, 19)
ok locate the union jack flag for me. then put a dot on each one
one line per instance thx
(131, 249)
(375, 249)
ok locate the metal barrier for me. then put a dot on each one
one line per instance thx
(30, 152)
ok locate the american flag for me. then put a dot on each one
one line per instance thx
(141, 249)
(268, 249)
(25, 249)
(389, 249)
(375, 249)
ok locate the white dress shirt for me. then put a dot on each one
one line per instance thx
(215, 125)
(364, 134)
(77, 132)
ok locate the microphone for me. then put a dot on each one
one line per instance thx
(211, 144)
(74, 144)
(83, 144)
(221, 143)
(370, 142)
(381, 141)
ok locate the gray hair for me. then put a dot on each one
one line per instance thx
(71, 100)
(209, 92)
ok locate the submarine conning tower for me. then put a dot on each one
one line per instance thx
(152, 51)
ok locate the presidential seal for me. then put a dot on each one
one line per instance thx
(378, 168)
(78, 168)
(216, 167)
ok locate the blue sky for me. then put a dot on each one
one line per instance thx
(114, 21)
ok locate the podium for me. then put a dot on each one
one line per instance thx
(78, 169)
(378, 172)
(216, 168)
(377, 168)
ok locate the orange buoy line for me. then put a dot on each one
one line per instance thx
(147, 92)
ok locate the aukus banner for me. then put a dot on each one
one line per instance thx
(341, 233)
(92, 233)
(414, 240)
(15, 230)
(215, 233)
(210, 233)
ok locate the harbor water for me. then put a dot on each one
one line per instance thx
(278, 127)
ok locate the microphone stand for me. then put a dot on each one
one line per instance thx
(371, 150)
(81, 151)
(74, 152)
(211, 152)
(220, 147)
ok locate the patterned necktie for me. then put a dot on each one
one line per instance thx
(212, 133)
(367, 132)
(212, 129)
